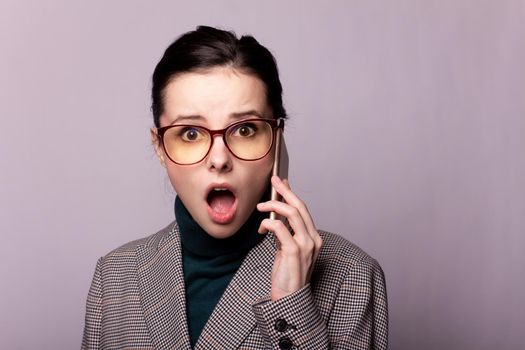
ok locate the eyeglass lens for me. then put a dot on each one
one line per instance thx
(248, 140)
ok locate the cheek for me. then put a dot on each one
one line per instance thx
(259, 175)
(180, 177)
(267, 168)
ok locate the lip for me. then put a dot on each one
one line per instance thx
(219, 185)
(226, 218)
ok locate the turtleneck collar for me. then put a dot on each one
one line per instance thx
(197, 241)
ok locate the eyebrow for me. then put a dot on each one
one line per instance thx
(235, 115)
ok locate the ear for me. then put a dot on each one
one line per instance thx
(158, 147)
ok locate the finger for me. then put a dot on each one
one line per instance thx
(318, 241)
(292, 215)
(292, 199)
(301, 255)
(287, 243)
(316, 238)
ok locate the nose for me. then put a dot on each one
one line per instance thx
(219, 158)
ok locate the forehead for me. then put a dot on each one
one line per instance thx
(215, 96)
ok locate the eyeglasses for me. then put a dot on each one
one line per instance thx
(249, 139)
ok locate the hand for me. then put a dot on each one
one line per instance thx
(296, 252)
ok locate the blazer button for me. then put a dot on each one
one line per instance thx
(285, 343)
(280, 325)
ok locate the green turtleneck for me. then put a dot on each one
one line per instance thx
(210, 263)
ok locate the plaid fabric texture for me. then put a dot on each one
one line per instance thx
(137, 301)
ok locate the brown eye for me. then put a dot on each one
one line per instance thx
(190, 134)
(244, 130)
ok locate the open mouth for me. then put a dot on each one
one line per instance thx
(222, 205)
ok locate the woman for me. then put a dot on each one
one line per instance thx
(214, 278)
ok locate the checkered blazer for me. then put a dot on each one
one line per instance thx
(137, 301)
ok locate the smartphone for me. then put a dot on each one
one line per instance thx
(280, 165)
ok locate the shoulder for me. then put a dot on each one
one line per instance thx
(350, 292)
(339, 248)
(344, 274)
(128, 250)
(338, 256)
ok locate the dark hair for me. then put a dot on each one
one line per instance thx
(208, 47)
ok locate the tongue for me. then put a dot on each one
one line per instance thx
(221, 201)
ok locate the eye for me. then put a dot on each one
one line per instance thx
(244, 130)
(191, 134)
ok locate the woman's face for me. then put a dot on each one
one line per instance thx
(215, 99)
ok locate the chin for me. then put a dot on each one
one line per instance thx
(221, 231)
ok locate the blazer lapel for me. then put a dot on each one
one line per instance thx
(232, 319)
(161, 284)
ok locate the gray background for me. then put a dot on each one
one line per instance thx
(406, 136)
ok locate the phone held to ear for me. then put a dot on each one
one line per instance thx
(280, 164)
